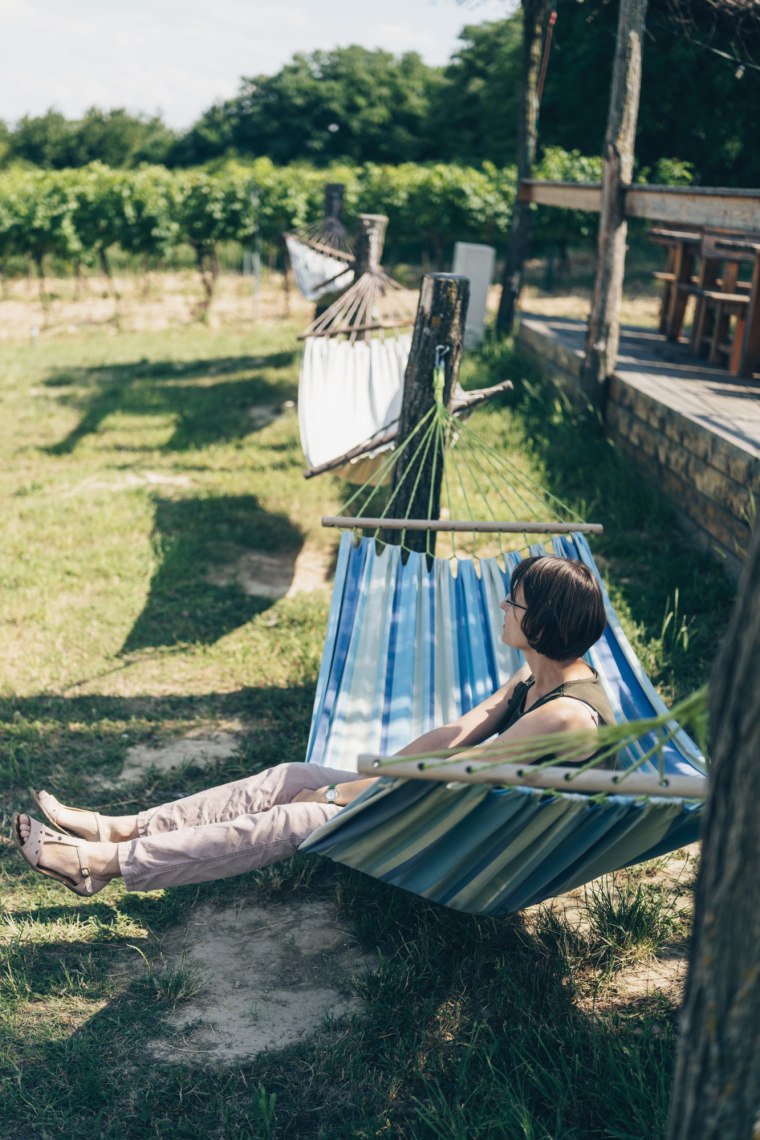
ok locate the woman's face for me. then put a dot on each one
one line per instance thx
(514, 608)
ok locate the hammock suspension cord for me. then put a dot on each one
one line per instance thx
(520, 761)
(483, 486)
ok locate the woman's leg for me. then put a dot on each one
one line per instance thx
(219, 850)
(213, 805)
(190, 854)
(244, 797)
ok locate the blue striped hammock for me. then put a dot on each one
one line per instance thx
(410, 647)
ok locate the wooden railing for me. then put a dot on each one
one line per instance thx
(737, 210)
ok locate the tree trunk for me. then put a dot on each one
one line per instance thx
(716, 1093)
(534, 17)
(603, 334)
(438, 335)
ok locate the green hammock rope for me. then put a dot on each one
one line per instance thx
(609, 740)
(477, 480)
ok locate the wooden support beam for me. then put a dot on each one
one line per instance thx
(714, 206)
(603, 333)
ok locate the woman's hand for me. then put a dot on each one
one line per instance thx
(311, 796)
(344, 793)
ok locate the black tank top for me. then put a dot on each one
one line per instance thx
(589, 690)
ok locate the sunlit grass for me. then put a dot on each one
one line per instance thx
(130, 471)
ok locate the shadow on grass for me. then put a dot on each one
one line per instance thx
(206, 407)
(66, 743)
(468, 1028)
(195, 542)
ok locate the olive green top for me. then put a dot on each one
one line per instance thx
(587, 689)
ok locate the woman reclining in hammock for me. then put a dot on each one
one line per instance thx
(553, 614)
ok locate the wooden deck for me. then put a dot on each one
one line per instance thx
(689, 425)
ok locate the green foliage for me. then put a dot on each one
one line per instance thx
(114, 137)
(348, 102)
(78, 214)
(697, 103)
(475, 112)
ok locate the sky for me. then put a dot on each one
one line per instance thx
(177, 57)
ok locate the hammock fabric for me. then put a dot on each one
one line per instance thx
(316, 273)
(409, 646)
(348, 391)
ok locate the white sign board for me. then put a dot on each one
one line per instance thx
(475, 262)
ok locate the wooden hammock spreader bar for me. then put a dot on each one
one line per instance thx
(599, 781)
(466, 525)
(320, 247)
(329, 280)
(339, 331)
(381, 439)
(468, 401)
(478, 396)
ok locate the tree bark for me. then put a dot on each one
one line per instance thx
(603, 334)
(534, 18)
(438, 334)
(716, 1093)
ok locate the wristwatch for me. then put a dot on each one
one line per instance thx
(331, 795)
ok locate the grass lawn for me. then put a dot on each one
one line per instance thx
(139, 473)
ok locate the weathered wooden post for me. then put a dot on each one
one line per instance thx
(437, 339)
(368, 249)
(603, 334)
(370, 239)
(534, 18)
(716, 1090)
(333, 199)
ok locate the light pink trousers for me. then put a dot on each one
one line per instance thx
(227, 830)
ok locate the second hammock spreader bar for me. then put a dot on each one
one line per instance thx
(345, 522)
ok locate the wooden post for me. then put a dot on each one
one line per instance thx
(603, 335)
(370, 239)
(438, 335)
(333, 230)
(534, 17)
(716, 1089)
(333, 199)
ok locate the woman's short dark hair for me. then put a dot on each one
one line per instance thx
(564, 612)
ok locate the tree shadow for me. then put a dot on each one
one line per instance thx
(211, 401)
(75, 745)
(194, 595)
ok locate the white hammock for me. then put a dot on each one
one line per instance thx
(348, 392)
(316, 273)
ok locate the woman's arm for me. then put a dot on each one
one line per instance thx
(563, 714)
(472, 728)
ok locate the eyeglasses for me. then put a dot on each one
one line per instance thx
(511, 602)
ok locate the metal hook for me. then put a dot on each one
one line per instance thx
(441, 350)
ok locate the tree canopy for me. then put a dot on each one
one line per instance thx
(700, 88)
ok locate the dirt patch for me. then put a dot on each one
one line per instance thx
(276, 575)
(201, 751)
(130, 481)
(661, 975)
(150, 303)
(268, 976)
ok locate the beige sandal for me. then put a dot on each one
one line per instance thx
(50, 808)
(32, 848)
